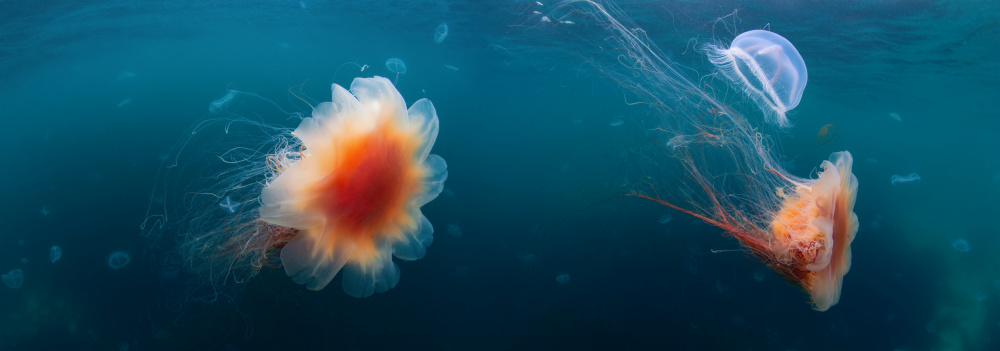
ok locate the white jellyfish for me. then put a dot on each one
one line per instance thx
(219, 105)
(118, 259)
(441, 32)
(55, 253)
(396, 65)
(767, 67)
(14, 278)
(229, 205)
(907, 179)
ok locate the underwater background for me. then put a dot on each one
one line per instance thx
(534, 246)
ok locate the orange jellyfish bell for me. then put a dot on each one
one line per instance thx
(813, 230)
(354, 194)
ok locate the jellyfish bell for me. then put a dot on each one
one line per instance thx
(441, 32)
(767, 67)
(395, 65)
(355, 194)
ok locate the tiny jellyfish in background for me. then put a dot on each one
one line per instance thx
(45, 211)
(758, 276)
(907, 179)
(125, 102)
(118, 259)
(960, 245)
(453, 68)
(539, 3)
(454, 230)
(546, 19)
(55, 253)
(895, 116)
(567, 22)
(441, 32)
(220, 104)
(530, 258)
(229, 205)
(126, 75)
(562, 278)
(616, 122)
(767, 67)
(827, 133)
(665, 218)
(302, 5)
(396, 65)
(14, 278)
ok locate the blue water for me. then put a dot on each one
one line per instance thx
(94, 95)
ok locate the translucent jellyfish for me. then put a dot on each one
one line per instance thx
(911, 178)
(453, 68)
(118, 259)
(665, 218)
(396, 65)
(14, 278)
(229, 205)
(55, 253)
(45, 211)
(562, 278)
(441, 32)
(895, 116)
(220, 104)
(767, 67)
(454, 230)
(827, 133)
(618, 121)
(960, 245)
(708, 156)
(342, 192)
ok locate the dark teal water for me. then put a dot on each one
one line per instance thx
(94, 94)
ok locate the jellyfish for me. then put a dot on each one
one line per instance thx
(229, 205)
(118, 259)
(911, 178)
(341, 194)
(767, 67)
(562, 278)
(710, 154)
(396, 65)
(14, 278)
(960, 245)
(827, 133)
(441, 32)
(55, 253)
(220, 104)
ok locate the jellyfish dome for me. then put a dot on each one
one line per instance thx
(396, 65)
(354, 194)
(767, 67)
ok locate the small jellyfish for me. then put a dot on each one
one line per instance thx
(616, 122)
(546, 19)
(219, 105)
(960, 245)
(14, 278)
(767, 67)
(827, 133)
(229, 205)
(665, 218)
(55, 253)
(118, 259)
(895, 116)
(907, 179)
(453, 68)
(562, 278)
(441, 32)
(45, 211)
(454, 230)
(125, 102)
(758, 276)
(396, 65)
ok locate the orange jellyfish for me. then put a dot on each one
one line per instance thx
(827, 133)
(712, 149)
(342, 192)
